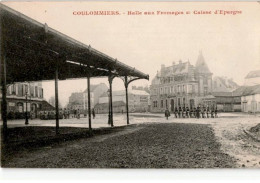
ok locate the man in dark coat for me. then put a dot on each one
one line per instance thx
(183, 112)
(176, 112)
(93, 113)
(216, 112)
(167, 113)
(207, 111)
(191, 112)
(212, 112)
(198, 112)
(187, 112)
(179, 112)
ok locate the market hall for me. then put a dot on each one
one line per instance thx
(32, 51)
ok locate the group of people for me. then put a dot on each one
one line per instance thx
(199, 112)
(75, 113)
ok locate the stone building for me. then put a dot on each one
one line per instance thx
(223, 84)
(226, 99)
(182, 84)
(18, 94)
(138, 101)
(250, 99)
(79, 100)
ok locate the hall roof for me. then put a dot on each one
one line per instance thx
(33, 50)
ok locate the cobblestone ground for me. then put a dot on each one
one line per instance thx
(142, 146)
(159, 143)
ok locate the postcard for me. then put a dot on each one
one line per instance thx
(134, 85)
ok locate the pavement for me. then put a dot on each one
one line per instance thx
(230, 129)
(101, 120)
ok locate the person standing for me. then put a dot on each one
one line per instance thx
(93, 113)
(167, 113)
(187, 112)
(216, 112)
(207, 111)
(183, 112)
(203, 112)
(176, 112)
(179, 112)
(78, 114)
(212, 112)
(191, 112)
(75, 113)
(198, 112)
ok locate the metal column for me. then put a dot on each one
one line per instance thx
(110, 79)
(109, 119)
(57, 100)
(89, 105)
(126, 95)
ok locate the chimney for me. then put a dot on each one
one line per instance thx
(180, 61)
(173, 63)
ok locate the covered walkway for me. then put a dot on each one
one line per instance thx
(31, 51)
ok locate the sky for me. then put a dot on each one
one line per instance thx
(230, 43)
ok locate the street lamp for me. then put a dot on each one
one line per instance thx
(109, 110)
(26, 101)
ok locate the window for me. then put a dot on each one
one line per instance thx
(25, 89)
(154, 103)
(205, 81)
(161, 103)
(166, 103)
(10, 89)
(36, 91)
(190, 88)
(184, 101)
(205, 91)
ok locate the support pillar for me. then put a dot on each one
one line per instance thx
(127, 82)
(126, 95)
(109, 110)
(4, 91)
(57, 100)
(89, 105)
(110, 79)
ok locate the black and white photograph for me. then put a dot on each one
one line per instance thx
(130, 85)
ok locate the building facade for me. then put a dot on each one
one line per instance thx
(138, 101)
(20, 95)
(226, 99)
(250, 99)
(79, 100)
(223, 84)
(182, 85)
